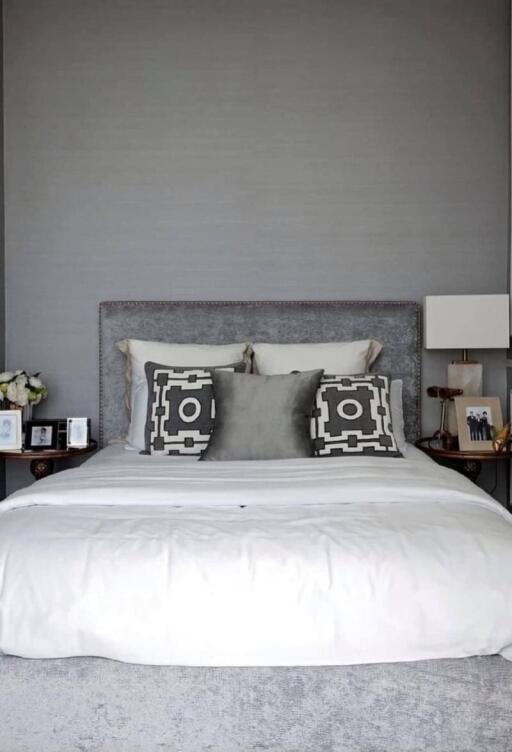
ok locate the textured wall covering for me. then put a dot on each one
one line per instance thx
(237, 149)
(2, 255)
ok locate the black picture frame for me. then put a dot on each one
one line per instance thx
(33, 436)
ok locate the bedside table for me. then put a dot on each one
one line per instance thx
(467, 463)
(42, 463)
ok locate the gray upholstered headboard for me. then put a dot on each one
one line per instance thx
(396, 324)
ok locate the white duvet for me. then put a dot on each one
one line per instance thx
(328, 561)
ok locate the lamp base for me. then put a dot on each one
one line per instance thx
(468, 376)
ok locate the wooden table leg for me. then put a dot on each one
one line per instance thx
(471, 469)
(41, 468)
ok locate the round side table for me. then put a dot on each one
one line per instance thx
(468, 463)
(42, 462)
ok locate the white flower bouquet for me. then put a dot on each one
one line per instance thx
(19, 389)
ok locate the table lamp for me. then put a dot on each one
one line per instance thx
(466, 322)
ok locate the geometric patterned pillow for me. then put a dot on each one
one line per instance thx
(181, 408)
(352, 416)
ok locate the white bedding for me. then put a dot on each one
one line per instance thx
(329, 561)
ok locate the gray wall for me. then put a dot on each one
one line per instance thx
(247, 149)
(2, 256)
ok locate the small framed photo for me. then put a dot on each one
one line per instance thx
(476, 417)
(41, 435)
(10, 430)
(78, 433)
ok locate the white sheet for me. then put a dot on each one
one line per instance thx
(330, 561)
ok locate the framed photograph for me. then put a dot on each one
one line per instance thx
(10, 430)
(476, 416)
(41, 435)
(78, 433)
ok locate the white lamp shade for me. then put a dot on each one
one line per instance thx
(467, 322)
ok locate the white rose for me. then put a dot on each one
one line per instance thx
(35, 382)
(12, 392)
(20, 383)
(6, 376)
(22, 397)
(17, 394)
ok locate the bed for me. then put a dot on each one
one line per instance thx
(240, 644)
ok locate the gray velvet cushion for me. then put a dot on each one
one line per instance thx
(262, 417)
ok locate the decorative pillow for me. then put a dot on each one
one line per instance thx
(139, 352)
(181, 408)
(352, 416)
(332, 357)
(262, 417)
(397, 413)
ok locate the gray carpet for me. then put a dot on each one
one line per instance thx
(94, 705)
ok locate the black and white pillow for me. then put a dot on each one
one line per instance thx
(181, 408)
(352, 415)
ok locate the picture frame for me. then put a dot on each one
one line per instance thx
(77, 433)
(11, 430)
(475, 418)
(41, 435)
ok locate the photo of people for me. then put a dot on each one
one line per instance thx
(42, 436)
(479, 420)
(6, 431)
(10, 429)
(78, 432)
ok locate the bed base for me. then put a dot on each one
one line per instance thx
(96, 705)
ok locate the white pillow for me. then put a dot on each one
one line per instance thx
(397, 413)
(341, 358)
(138, 352)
